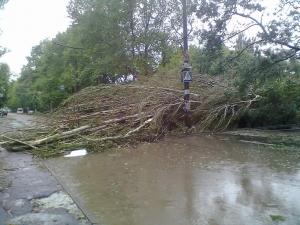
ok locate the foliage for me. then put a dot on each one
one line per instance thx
(277, 218)
(280, 105)
(4, 80)
(280, 29)
(3, 2)
(107, 40)
(111, 40)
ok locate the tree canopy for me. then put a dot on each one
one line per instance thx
(255, 46)
(4, 71)
(4, 82)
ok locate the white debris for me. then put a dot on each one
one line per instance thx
(77, 153)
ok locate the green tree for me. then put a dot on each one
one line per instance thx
(281, 29)
(4, 81)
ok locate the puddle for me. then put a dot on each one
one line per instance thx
(186, 181)
(76, 153)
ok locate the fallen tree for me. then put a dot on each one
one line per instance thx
(117, 114)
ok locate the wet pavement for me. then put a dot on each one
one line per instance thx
(14, 122)
(29, 194)
(196, 180)
(28, 180)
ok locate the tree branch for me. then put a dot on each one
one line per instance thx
(273, 63)
(68, 46)
(244, 49)
(268, 37)
(241, 31)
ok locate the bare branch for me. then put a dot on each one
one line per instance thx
(239, 32)
(266, 33)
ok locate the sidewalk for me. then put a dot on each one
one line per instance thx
(30, 195)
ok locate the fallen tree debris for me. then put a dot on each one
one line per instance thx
(13, 141)
(103, 115)
(58, 136)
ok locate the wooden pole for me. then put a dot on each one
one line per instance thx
(186, 67)
(185, 32)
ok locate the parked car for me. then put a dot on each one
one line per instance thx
(20, 111)
(30, 112)
(3, 112)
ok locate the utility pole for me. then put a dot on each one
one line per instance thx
(186, 70)
(185, 31)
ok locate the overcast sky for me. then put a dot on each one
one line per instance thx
(24, 23)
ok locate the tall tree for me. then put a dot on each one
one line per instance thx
(4, 82)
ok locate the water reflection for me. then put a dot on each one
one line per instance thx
(186, 181)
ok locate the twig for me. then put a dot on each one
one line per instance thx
(19, 141)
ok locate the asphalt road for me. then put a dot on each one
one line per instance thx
(15, 121)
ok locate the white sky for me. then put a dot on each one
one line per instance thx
(24, 23)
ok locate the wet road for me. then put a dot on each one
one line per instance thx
(15, 121)
(187, 181)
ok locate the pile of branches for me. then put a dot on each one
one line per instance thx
(102, 116)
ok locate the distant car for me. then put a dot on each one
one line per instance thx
(30, 112)
(20, 110)
(3, 112)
